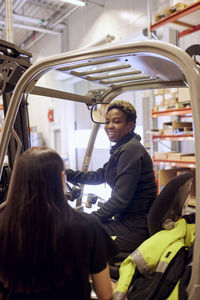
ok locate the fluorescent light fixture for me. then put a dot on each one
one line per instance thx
(75, 2)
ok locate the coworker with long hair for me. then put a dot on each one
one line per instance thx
(47, 249)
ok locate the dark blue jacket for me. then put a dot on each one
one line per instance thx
(129, 172)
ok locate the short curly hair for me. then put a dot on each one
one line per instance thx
(127, 108)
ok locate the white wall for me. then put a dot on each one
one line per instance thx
(46, 46)
(121, 19)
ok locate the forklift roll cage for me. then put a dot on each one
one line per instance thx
(117, 68)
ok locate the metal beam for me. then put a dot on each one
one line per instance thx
(27, 19)
(33, 28)
(61, 95)
(52, 22)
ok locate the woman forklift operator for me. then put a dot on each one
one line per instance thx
(129, 172)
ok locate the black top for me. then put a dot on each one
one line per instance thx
(129, 172)
(91, 248)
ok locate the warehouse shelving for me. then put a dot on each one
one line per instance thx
(177, 138)
(170, 162)
(172, 112)
(174, 163)
(188, 17)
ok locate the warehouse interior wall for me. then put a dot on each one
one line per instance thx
(92, 25)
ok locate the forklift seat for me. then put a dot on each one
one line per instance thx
(166, 209)
(169, 204)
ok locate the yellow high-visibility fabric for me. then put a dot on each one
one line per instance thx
(126, 272)
(174, 293)
(190, 234)
(153, 248)
(155, 251)
(169, 254)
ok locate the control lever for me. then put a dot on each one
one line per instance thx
(92, 199)
(72, 193)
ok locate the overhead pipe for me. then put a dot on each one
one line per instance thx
(149, 14)
(32, 28)
(28, 43)
(9, 21)
(28, 19)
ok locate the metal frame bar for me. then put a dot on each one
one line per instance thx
(37, 90)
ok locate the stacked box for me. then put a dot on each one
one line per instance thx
(170, 128)
(174, 156)
(184, 95)
(160, 155)
(188, 157)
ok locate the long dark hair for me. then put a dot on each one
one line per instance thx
(34, 236)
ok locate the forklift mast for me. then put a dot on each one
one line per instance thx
(13, 63)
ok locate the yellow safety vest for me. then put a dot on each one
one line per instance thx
(154, 254)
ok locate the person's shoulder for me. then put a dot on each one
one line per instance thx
(82, 224)
(134, 143)
(84, 219)
(92, 224)
(89, 219)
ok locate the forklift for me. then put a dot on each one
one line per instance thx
(142, 65)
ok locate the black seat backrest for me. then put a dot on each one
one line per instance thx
(170, 202)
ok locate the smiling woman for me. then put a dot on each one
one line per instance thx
(120, 120)
(129, 173)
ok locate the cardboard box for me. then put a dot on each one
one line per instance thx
(176, 125)
(170, 100)
(160, 155)
(164, 176)
(186, 129)
(170, 128)
(181, 156)
(188, 157)
(184, 95)
(167, 125)
(192, 202)
(155, 132)
(174, 155)
(159, 92)
(181, 124)
(168, 131)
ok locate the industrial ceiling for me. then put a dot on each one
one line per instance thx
(32, 19)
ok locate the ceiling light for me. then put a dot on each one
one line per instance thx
(75, 2)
